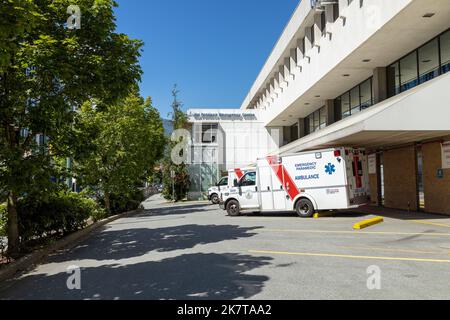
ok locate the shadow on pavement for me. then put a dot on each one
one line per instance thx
(187, 277)
(177, 210)
(130, 243)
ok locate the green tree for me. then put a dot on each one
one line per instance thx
(16, 18)
(52, 72)
(129, 143)
(176, 186)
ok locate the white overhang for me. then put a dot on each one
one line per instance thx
(419, 114)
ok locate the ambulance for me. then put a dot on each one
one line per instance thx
(323, 180)
(225, 183)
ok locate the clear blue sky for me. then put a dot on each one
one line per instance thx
(213, 49)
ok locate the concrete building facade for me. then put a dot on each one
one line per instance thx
(371, 74)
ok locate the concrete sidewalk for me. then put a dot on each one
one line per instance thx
(157, 201)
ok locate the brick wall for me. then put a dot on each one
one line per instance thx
(400, 178)
(437, 191)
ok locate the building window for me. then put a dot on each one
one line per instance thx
(429, 61)
(419, 66)
(366, 96)
(409, 72)
(355, 100)
(393, 79)
(294, 132)
(445, 52)
(205, 133)
(317, 120)
(345, 103)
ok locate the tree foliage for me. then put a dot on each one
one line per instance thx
(176, 186)
(48, 72)
(130, 140)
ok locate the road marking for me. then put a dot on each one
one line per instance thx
(390, 249)
(432, 223)
(346, 256)
(359, 232)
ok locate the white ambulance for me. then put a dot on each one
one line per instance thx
(225, 183)
(307, 182)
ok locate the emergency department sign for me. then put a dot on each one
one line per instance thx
(446, 155)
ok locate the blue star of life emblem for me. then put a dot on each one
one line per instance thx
(330, 169)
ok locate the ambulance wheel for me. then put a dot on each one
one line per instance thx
(233, 208)
(304, 208)
(215, 199)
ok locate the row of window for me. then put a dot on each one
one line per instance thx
(354, 100)
(419, 66)
(316, 120)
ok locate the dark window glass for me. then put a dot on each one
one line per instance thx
(429, 61)
(409, 72)
(316, 120)
(393, 79)
(445, 52)
(366, 94)
(209, 133)
(345, 102)
(249, 180)
(323, 118)
(294, 132)
(354, 100)
(337, 109)
(223, 182)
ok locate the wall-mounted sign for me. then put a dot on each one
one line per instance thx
(217, 116)
(440, 174)
(372, 159)
(446, 155)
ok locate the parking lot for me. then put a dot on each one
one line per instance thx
(195, 251)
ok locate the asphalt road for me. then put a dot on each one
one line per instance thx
(195, 251)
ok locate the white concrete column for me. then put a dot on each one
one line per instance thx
(308, 42)
(288, 72)
(329, 17)
(277, 83)
(282, 78)
(317, 29)
(343, 4)
(300, 51)
(293, 62)
(273, 94)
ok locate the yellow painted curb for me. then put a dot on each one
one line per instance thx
(368, 223)
(318, 215)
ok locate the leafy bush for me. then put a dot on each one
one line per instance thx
(130, 201)
(60, 213)
(3, 220)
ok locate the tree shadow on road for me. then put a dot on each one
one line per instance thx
(130, 243)
(187, 277)
(178, 210)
